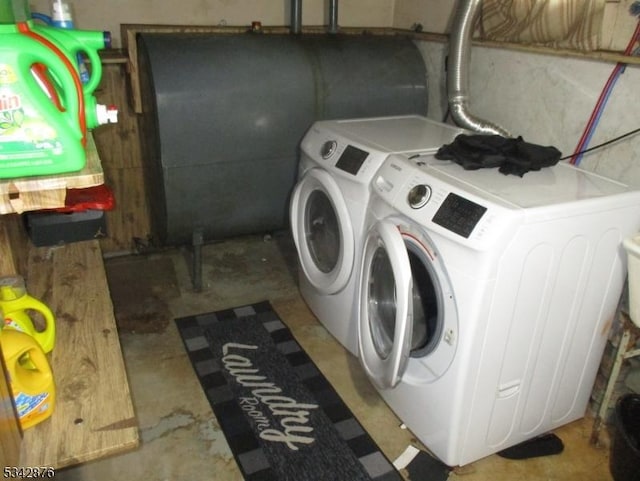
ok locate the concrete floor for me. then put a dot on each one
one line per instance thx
(180, 438)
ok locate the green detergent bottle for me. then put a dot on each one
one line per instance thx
(74, 43)
(12, 11)
(78, 42)
(76, 46)
(37, 137)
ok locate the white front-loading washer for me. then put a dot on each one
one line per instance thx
(338, 161)
(486, 300)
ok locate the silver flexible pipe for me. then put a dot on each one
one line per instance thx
(458, 71)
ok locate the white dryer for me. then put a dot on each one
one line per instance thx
(338, 161)
(486, 299)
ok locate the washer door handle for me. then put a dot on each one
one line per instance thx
(385, 371)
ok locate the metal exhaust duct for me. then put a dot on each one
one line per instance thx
(458, 71)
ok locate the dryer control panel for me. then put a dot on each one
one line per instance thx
(341, 156)
(352, 159)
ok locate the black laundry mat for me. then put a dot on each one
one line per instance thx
(281, 417)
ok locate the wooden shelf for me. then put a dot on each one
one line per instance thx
(93, 416)
(47, 192)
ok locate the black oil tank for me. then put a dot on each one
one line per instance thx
(227, 113)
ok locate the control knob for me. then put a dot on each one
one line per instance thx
(418, 196)
(328, 148)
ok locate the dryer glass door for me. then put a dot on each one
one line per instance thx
(386, 306)
(322, 231)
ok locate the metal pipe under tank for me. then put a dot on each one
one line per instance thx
(296, 16)
(295, 25)
(333, 17)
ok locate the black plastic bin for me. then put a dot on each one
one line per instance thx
(624, 462)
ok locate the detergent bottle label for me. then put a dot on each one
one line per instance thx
(8, 322)
(25, 137)
(30, 407)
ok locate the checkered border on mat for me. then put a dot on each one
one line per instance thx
(241, 438)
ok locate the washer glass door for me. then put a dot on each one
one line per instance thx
(402, 307)
(322, 231)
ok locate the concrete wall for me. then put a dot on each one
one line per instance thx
(435, 16)
(109, 14)
(548, 100)
(432, 16)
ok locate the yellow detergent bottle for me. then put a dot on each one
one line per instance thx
(18, 306)
(30, 376)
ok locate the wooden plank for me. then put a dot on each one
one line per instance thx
(120, 151)
(118, 144)
(45, 192)
(7, 261)
(14, 246)
(130, 218)
(94, 415)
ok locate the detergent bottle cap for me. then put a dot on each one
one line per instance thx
(12, 287)
(106, 114)
(61, 14)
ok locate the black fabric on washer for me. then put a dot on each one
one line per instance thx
(510, 155)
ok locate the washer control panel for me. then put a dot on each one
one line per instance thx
(440, 202)
(459, 215)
